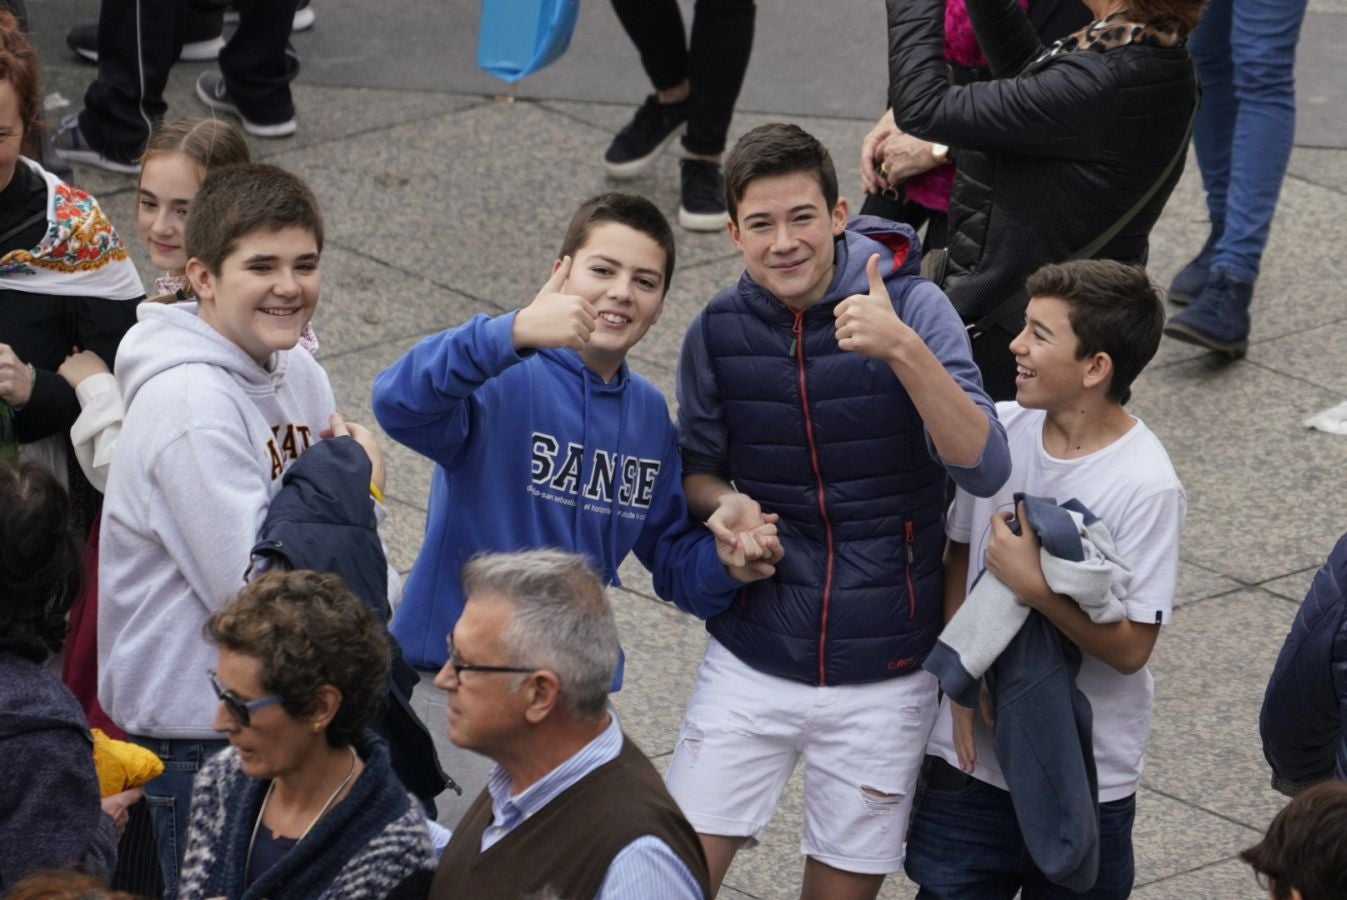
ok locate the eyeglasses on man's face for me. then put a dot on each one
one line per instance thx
(460, 667)
(242, 710)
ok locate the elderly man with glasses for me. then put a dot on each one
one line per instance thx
(572, 808)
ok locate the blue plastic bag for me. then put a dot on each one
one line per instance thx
(519, 37)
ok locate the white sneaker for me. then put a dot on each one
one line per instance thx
(202, 51)
(83, 40)
(304, 18)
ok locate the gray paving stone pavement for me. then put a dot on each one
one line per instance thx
(443, 200)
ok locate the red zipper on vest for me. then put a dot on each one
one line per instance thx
(798, 344)
(909, 539)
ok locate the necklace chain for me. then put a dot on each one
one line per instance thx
(248, 860)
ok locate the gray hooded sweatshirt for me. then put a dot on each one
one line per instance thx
(208, 434)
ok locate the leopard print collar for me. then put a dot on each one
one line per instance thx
(1114, 31)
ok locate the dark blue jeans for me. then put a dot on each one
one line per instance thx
(1245, 52)
(964, 844)
(170, 797)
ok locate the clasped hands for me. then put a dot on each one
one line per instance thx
(890, 156)
(746, 537)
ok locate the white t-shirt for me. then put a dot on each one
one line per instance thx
(1132, 487)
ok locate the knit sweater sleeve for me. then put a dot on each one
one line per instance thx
(392, 859)
(204, 850)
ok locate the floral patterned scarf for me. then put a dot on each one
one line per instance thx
(79, 256)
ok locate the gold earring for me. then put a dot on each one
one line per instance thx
(317, 727)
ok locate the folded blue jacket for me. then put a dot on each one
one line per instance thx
(1044, 724)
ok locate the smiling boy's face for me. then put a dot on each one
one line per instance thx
(785, 231)
(265, 292)
(621, 272)
(1049, 375)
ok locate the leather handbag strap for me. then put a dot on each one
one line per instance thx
(1014, 306)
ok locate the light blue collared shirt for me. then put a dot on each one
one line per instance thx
(645, 868)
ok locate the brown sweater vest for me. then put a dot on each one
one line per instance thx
(564, 849)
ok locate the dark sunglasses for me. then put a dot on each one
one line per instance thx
(242, 710)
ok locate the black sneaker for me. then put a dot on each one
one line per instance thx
(83, 41)
(210, 90)
(641, 140)
(703, 190)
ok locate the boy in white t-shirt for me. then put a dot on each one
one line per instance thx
(1090, 329)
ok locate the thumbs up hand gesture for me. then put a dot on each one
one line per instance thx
(866, 323)
(555, 318)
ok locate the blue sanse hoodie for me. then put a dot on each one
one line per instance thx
(534, 450)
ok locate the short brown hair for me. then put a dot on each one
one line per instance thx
(1181, 15)
(238, 200)
(777, 149)
(309, 630)
(1114, 309)
(1306, 845)
(635, 212)
(18, 66)
(211, 143)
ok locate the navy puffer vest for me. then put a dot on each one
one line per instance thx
(830, 441)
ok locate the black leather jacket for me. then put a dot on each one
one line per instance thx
(1050, 153)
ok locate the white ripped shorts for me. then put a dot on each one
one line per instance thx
(862, 745)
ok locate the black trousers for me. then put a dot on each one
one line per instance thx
(138, 42)
(713, 63)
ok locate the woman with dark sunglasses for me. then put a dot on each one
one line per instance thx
(304, 804)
